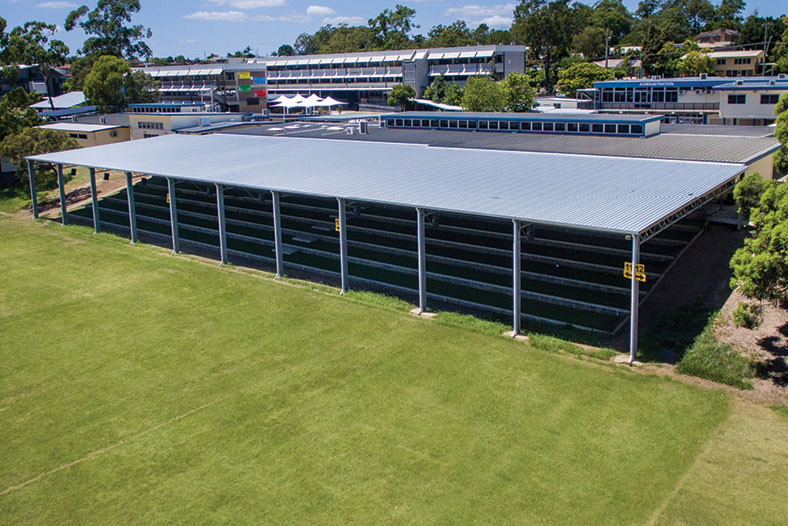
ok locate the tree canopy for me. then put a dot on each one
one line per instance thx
(108, 29)
(581, 76)
(111, 85)
(400, 95)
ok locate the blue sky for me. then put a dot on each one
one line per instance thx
(197, 27)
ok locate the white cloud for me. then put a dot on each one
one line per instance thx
(349, 20)
(319, 10)
(189, 41)
(56, 5)
(498, 15)
(224, 16)
(249, 4)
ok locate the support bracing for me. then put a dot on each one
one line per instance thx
(634, 301)
(516, 286)
(132, 208)
(176, 245)
(222, 223)
(343, 244)
(94, 201)
(277, 234)
(31, 174)
(61, 187)
(422, 257)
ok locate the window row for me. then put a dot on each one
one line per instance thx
(531, 126)
(150, 125)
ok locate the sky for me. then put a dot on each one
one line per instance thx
(196, 28)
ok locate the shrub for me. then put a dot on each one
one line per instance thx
(719, 362)
(747, 315)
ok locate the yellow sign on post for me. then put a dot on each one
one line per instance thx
(640, 271)
(336, 224)
(168, 197)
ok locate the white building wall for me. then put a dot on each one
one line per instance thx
(752, 109)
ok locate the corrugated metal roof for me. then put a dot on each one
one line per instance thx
(601, 193)
(579, 116)
(671, 146)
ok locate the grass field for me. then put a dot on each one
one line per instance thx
(137, 387)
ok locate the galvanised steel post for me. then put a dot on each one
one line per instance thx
(422, 261)
(31, 174)
(61, 186)
(222, 223)
(132, 208)
(516, 285)
(280, 263)
(176, 245)
(342, 245)
(635, 301)
(94, 201)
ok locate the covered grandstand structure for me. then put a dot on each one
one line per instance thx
(447, 224)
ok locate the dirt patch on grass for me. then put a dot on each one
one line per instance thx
(767, 344)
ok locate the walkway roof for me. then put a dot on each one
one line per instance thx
(613, 194)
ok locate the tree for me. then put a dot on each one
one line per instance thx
(613, 17)
(760, 267)
(654, 41)
(16, 113)
(30, 44)
(107, 29)
(581, 76)
(436, 91)
(547, 28)
(728, 14)
(80, 68)
(518, 92)
(285, 50)
(590, 42)
(111, 85)
(454, 35)
(694, 63)
(400, 95)
(483, 94)
(390, 29)
(781, 132)
(453, 94)
(34, 141)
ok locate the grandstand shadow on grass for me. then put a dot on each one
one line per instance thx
(692, 292)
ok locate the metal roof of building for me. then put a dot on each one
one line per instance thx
(591, 192)
(714, 146)
(61, 102)
(578, 116)
(78, 127)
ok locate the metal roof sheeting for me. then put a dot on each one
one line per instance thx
(600, 193)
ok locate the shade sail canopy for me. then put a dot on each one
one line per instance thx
(613, 194)
(328, 102)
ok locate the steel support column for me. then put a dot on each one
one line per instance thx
(343, 244)
(280, 262)
(516, 287)
(94, 201)
(31, 174)
(634, 301)
(61, 186)
(132, 208)
(222, 224)
(422, 254)
(176, 245)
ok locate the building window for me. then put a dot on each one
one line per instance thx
(572, 127)
(559, 126)
(770, 99)
(737, 99)
(150, 125)
(149, 135)
(610, 128)
(390, 122)
(482, 125)
(525, 126)
(596, 128)
(229, 76)
(623, 128)
(636, 129)
(742, 60)
(584, 128)
(433, 123)
(493, 125)
(113, 133)
(721, 61)
(471, 125)
(536, 126)
(548, 126)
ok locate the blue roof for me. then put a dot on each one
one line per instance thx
(685, 82)
(68, 112)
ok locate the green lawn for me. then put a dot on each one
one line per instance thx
(137, 387)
